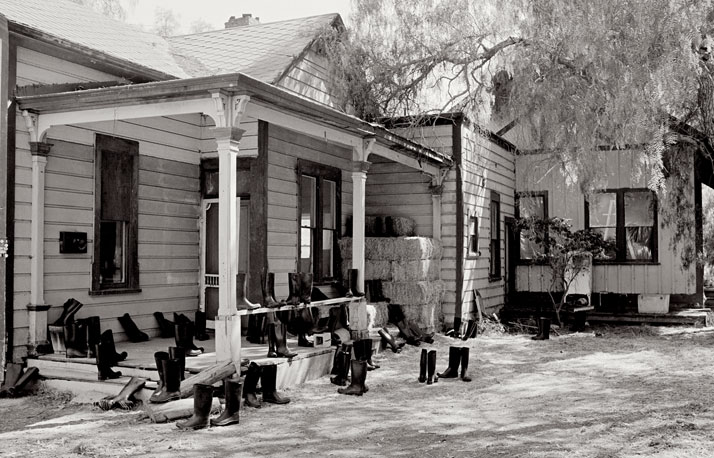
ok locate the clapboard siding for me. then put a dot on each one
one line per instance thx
(310, 77)
(285, 147)
(37, 68)
(668, 276)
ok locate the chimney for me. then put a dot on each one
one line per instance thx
(246, 19)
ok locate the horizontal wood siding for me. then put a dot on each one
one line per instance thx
(311, 78)
(668, 276)
(285, 147)
(37, 68)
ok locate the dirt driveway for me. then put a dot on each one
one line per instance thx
(617, 392)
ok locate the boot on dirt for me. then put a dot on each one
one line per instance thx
(159, 358)
(422, 365)
(125, 399)
(107, 338)
(465, 364)
(202, 401)
(231, 413)
(454, 360)
(200, 324)
(543, 329)
(389, 340)
(166, 327)
(341, 372)
(269, 382)
(30, 374)
(357, 382)
(277, 333)
(105, 361)
(250, 385)
(132, 330)
(242, 291)
(363, 352)
(305, 282)
(432, 377)
(172, 382)
(293, 289)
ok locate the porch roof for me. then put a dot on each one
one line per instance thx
(151, 94)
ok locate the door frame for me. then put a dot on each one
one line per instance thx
(511, 259)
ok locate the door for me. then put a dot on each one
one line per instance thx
(512, 247)
(209, 264)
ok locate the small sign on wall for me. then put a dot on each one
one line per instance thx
(73, 242)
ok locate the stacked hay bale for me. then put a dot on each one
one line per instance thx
(410, 270)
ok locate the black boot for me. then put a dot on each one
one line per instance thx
(343, 365)
(242, 291)
(294, 289)
(107, 338)
(357, 382)
(200, 320)
(105, 362)
(125, 399)
(422, 365)
(231, 413)
(172, 382)
(94, 333)
(454, 360)
(363, 352)
(132, 331)
(159, 358)
(389, 340)
(166, 327)
(305, 281)
(30, 374)
(250, 386)
(179, 354)
(465, 364)
(255, 328)
(184, 338)
(277, 333)
(269, 382)
(268, 284)
(369, 352)
(304, 342)
(69, 308)
(75, 338)
(457, 328)
(431, 368)
(544, 329)
(202, 401)
(353, 290)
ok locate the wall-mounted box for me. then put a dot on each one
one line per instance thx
(73, 242)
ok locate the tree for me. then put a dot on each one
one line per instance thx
(200, 25)
(166, 22)
(113, 8)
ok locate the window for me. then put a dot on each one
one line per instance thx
(473, 236)
(115, 265)
(628, 218)
(495, 245)
(319, 202)
(531, 205)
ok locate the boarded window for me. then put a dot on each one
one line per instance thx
(495, 245)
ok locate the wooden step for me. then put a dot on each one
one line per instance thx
(689, 317)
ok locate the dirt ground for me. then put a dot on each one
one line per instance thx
(606, 392)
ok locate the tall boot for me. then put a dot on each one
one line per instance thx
(422, 365)
(389, 340)
(406, 331)
(202, 401)
(107, 338)
(359, 376)
(250, 385)
(166, 327)
(132, 330)
(454, 360)
(231, 413)
(123, 400)
(293, 289)
(184, 338)
(242, 286)
(457, 328)
(544, 329)
(269, 382)
(272, 353)
(179, 354)
(255, 328)
(465, 364)
(343, 365)
(353, 277)
(268, 284)
(172, 382)
(69, 308)
(159, 358)
(105, 363)
(200, 321)
(76, 337)
(305, 281)
(94, 333)
(431, 368)
(363, 350)
(277, 332)
(336, 361)
(369, 352)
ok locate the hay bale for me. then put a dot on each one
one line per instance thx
(345, 246)
(419, 270)
(401, 226)
(414, 293)
(427, 316)
(413, 248)
(378, 270)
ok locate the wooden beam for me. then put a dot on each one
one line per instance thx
(411, 162)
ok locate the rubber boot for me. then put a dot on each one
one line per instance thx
(369, 352)
(363, 350)
(269, 381)
(268, 284)
(336, 360)
(200, 322)
(272, 353)
(202, 401)
(30, 374)
(107, 338)
(457, 328)
(159, 358)
(94, 333)
(454, 360)
(242, 287)
(465, 364)
(343, 366)
(389, 340)
(293, 289)
(304, 342)
(432, 377)
(124, 400)
(131, 329)
(353, 291)
(359, 375)
(406, 331)
(305, 281)
(539, 324)
(105, 362)
(184, 338)
(13, 372)
(67, 312)
(543, 329)
(166, 327)
(250, 386)
(231, 413)
(277, 332)
(422, 365)
(179, 353)
(76, 337)
(255, 328)
(172, 382)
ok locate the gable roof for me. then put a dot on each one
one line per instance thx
(263, 51)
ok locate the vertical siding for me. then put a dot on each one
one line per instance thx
(285, 147)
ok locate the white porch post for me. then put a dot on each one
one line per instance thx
(359, 182)
(37, 309)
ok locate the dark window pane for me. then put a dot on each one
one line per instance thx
(112, 246)
(639, 243)
(639, 209)
(328, 191)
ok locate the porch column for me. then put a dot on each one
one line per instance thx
(436, 210)
(37, 309)
(228, 323)
(359, 181)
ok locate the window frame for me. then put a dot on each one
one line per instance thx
(131, 281)
(621, 230)
(519, 195)
(495, 265)
(320, 173)
(473, 241)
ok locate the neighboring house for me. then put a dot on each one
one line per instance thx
(181, 165)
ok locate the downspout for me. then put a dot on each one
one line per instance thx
(457, 155)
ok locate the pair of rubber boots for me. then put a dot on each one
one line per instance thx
(132, 331)
(168, 328)
(352, 284)
(389, 341)
(299, 288)
(427, 367)
(81, 336)
(457, 356)
(171, 366)
(125, 399)
(278, 341)
(268, 286)
(543, 329)
(184, 330)
(464, 330)
(267, 375)
(203, 401)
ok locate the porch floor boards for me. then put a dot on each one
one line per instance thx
(691, 317)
